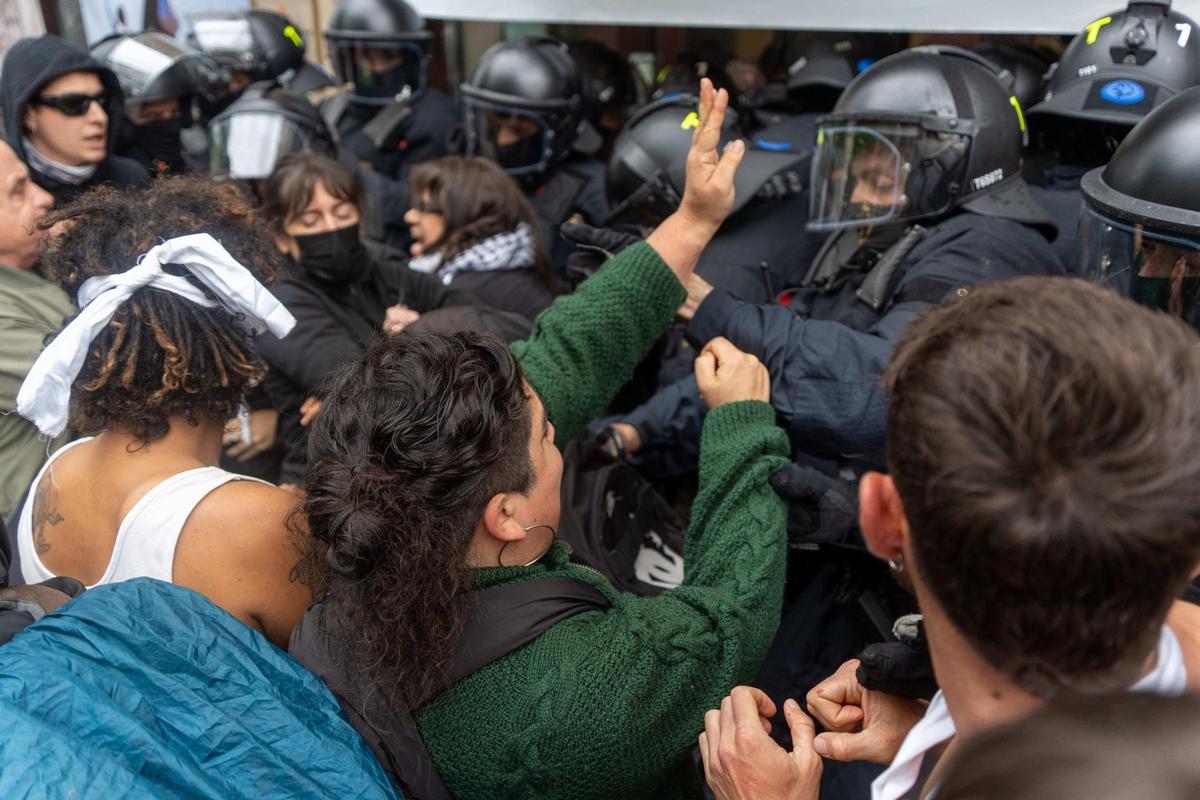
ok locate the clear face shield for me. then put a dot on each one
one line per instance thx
(247, 145)
(872, 173)
(516, 139)
(381, 72)
(1155, 269)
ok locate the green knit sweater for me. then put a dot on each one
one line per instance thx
(607, 704)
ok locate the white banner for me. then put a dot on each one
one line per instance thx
(19, 18)
(942, 16)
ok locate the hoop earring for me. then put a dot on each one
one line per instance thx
(500, 555)
(896, 565)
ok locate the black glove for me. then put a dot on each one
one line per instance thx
(822, 509)
(593, 246)
(902, 668)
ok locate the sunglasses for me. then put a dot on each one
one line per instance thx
(75, 104)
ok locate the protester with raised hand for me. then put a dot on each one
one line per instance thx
(434, 488)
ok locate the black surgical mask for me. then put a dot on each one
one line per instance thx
(336, 257)
(160, 141)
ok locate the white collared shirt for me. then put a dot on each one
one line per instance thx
(1169, 678)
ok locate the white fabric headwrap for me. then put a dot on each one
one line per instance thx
(45, 395)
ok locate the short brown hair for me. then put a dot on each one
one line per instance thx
(1044, 436)
(477, 199)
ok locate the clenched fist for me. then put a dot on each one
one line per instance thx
(727, 375)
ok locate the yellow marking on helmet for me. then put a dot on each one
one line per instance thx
(692, 120)
(1093, 30)
(291, 33)
(1020, 114)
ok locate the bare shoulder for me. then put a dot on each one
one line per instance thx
(246, 515)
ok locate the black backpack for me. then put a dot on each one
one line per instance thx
(613, 518)
(500, 621)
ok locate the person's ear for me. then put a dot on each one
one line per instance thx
(499, 518)
(881, 515)
(28, 121)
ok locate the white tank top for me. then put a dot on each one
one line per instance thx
(146, 540)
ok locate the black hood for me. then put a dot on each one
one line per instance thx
(30, 64)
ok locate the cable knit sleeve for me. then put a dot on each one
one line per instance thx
(585, 346)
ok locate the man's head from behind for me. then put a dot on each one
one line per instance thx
(22, 204)
(1044, 442)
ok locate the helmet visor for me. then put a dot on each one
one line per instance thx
(869, 173)
(380, 71)
(247, 145)
(1155, 269)
(153, 68)
(516, 139)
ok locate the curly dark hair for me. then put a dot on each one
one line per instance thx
(161, 356)
(412, 442)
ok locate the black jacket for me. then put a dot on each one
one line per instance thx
(425, 135)
(518, 290)
(335, 324)
(827, 351)
(574, 187)
(28, 66)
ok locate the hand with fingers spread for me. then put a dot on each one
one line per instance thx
(743, 762)
(861, 724)
(727, 375)
(708, 188)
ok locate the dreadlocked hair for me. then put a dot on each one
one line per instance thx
(412, 442)
(161, 355)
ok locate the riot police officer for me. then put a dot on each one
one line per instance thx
(161, 80)
(1117, 70)
(916, 183)
(255, 45)
(763, 237)
(524, 109)
(387, 119)
(916, 180)
(262, 126)
(1140, 228)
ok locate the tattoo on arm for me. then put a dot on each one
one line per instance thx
(45, 513)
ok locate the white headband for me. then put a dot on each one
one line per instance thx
(45, 395)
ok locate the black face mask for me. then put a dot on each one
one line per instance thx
(335, 257)
(161, 143)
(524, 152)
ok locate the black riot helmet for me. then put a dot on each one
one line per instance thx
(381, 47)
(151, 66)
(646, 170)
(917, 135)
(524, 106)
(262, 44)
(265, 124)
(1140, 227)
(1123, 65)
(1026, 64)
